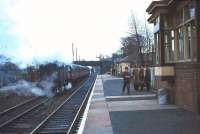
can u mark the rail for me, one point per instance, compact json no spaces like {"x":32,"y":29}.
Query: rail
{"x":62,"y":120}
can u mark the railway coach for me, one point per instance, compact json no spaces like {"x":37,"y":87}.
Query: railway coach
{"x":77,"y":73}
{"x":62,"y":74}
{"x":65,"y":74}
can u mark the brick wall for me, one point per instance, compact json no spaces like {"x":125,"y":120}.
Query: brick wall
{"x":187,"y":86}
{"x":167,"y":83}
{"x":184,"y":87}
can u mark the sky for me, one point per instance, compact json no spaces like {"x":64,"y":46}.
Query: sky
{"x":39,"y":30}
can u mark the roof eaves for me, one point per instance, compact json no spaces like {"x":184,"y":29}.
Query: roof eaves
{"x":155,"y":4}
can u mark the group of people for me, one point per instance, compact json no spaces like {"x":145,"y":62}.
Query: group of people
{"x":138,"y":78}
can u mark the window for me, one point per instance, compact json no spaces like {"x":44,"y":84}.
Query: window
{"x":169,"y":46}
{"x":157,"y":47}
{"x":157,"y":24}
{"x":157,"y":20}
{"x":180,"y":39}
{"x":192,"y":11}
{"x":193,"y":42}
{"x":186,"y":42}
{"x":189,"y":11}
{"x":190,"y":41}
{"x":180,"y":43}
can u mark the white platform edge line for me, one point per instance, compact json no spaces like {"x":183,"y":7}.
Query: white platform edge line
{"x":83,"y":121}
{"x":130,"y":96}
{"x":141,"y":109}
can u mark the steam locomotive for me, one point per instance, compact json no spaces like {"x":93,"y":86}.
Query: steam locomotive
{"x":65,"y":74}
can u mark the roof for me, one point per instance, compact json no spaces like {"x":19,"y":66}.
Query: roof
{"x":156,"y":5}
{"x":132,"y":58}
{"x":135,"y":58}
{"x":125,"y":59}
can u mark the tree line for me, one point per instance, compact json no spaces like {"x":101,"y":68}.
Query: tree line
{"x":138,"y":42}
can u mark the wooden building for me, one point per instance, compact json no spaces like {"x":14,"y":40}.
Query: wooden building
{"x":177,"y":47}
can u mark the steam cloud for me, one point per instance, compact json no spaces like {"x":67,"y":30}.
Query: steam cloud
{"x":47,"y":84}
{"x":25,"y":88}
{"x":69,"y":86}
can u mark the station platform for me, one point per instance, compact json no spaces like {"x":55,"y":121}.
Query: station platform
{"x":110,"y":112}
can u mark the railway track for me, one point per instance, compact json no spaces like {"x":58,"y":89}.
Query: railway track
{"x":17,"y":123}
{"x":14,"y":112}
{"x":16,"y":106}
{"x":25,"y":117}
{"x":65,"y":118}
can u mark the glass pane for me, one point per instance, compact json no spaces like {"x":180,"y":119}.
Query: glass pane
{"x":191,"y":9}
{"x":189,"y":40}
{"x":157,"y":47}
{"x":181,"y":43}
{"x":193,"y":41}
{"x":169,"y":46}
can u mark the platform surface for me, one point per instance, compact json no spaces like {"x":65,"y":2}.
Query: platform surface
{"x":110,"y":112}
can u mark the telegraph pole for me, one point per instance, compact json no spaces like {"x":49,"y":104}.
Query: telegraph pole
{"x":76,"y":55}
{"x":73,"y":51}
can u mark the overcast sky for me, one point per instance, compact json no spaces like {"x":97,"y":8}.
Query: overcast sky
{"x":45,"y":29}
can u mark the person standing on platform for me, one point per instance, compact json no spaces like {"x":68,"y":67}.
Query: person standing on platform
{"x":136,"y":78}
{"x":113,"y":71}
{"x":147,"y":78}
{"x":126,"y":84}
{"x":132,"y":77}
{"x":141,"y":78}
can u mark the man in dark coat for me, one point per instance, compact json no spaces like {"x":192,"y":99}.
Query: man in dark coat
{"x":141,"y":78}
{"x":148,"y":78}
{"x":127,"y":77}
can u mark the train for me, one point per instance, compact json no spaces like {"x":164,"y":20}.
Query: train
{"x":65,"y":74}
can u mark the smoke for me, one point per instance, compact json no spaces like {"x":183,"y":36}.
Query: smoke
{"x":25,"y":88}
{"x":69,"y":86}
{"x":44,"y":87}
{"x":47,"y":84}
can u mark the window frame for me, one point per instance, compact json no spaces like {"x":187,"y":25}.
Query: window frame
{"x":157,"y":48}
{"x":169,"y":46}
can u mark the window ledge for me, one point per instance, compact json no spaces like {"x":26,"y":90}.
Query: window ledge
{"x":188,"y":60}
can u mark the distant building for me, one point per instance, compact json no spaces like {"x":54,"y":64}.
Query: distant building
{"x":177,"y":43}
{"x":132,"y":60}
{"x":101,"y":67}
{"x":120,"y":66}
